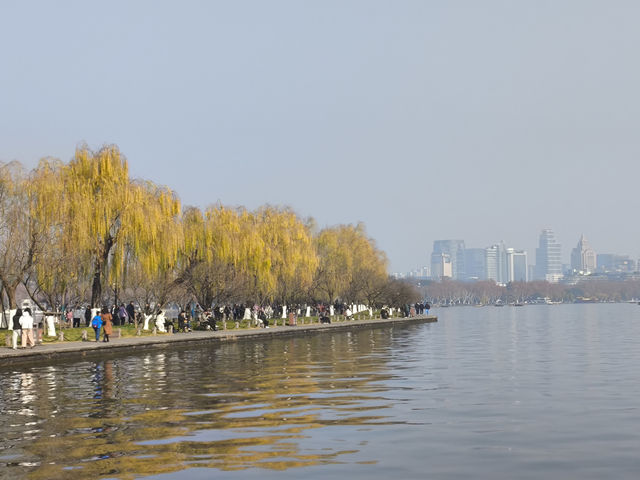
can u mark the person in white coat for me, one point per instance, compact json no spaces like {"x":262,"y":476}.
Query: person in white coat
{"x":26,"y":322}
{"x":160,"y":318}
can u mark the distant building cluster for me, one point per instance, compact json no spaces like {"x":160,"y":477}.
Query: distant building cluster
{"x":502,"y":264}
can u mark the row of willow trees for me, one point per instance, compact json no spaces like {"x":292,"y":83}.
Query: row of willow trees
{"x":85,"y":231}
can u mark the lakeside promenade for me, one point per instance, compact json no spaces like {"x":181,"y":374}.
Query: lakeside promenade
{"x":45,"y":353}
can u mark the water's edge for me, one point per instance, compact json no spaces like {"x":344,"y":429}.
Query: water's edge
{"x":45,"y":354}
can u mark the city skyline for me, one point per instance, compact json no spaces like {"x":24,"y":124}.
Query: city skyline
{"x":499,"y":262}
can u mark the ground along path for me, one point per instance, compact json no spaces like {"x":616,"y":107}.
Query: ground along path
{"x":47,"y":352}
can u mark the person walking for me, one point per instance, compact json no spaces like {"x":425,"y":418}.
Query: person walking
{"x":122,"y":314}
{"x":77,"y":315}
{"x":87,"y":316}
{"x":17,"y":328}
{"x":96,"y":323}
{"x":107,"y":324}
{"x":26,"y":322}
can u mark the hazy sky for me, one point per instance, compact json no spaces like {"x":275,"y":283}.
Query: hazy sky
{"x":480,"y":120}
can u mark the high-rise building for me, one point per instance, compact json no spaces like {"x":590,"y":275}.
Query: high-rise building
{"x":610,"y":263}
{"x":496,"y":263}
{"x":531,"y":272}
{"x":548,"y":258}
{"x":583,"y":257}
{"x":441,"y":266}
{"x":516,"y":265}
{"x":491,"y":262}
{"x":455,"y":250}
{"x":475,"y":264}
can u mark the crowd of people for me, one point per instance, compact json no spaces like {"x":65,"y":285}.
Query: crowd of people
{"x":103,"y":320}
{"x":120,"y":315}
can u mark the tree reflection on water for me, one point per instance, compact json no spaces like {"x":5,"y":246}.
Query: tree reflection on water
{"x":275,"y":405}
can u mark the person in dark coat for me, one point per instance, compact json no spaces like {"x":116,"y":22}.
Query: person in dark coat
{"x":131,"y":312}
{"x":17,"y":328}
{"x":182,"y":321}
{"x":87,"y":316}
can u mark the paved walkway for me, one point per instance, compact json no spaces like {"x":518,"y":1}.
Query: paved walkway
{"x":49,"y":351}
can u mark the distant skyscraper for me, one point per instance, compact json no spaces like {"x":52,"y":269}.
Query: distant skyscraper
{"x":441,"y":266}
{"x":583,"y":257}
{"x":610,"y":262}
{"x":455,"y":250}
{"x":531,"y":272}
{"x":516,"y":265}
{"x":491,"y":262}
{"x":548,"y":258}
{"x":496,"y":263}
{"x":475,"y":264}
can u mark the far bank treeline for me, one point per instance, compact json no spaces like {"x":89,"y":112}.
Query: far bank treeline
{"x":487,"y":292}
{"x":84,"y":231}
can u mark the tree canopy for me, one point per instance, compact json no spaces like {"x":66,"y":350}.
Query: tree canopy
{"x":85,"y":230}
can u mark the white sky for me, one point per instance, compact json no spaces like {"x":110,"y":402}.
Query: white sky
{"x":426,"y":120}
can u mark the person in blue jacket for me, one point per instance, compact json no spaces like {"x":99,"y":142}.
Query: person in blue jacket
{"x":96,"y":323}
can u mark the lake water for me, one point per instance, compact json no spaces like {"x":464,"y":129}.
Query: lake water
{"x":548,"y":391}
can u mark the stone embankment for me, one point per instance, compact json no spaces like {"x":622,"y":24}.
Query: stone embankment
{"x":47,"y":352}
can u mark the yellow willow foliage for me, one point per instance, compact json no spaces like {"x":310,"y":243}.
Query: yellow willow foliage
{"x":270,"y":246}
{"x":336,"y":263}
{"x":369,"y":271}
{"x":228,"y":237}
{"x":232,"y":238}
{"x":347,"y":257}
{"x":56,"y":267}
{"x":106,"y":215}
{"x":155,"y":235}
{"x":289,"y":258}
{"x":194,"y":234}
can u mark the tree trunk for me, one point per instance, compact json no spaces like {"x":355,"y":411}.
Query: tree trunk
{"x":101,"y":264}
{"x":10,"y":290}
{"x":96,"y":289}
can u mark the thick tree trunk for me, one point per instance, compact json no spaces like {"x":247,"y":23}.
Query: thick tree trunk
{"x":10,"y":290}
{"x":96,"y":288}
{"x":101,"y":264}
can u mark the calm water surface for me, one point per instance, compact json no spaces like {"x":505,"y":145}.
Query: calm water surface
{"x":500,"y":393}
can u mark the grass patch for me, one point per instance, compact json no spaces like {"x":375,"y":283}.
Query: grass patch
{"x":75,"y":334}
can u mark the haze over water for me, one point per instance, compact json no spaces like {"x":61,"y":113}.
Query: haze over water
{"x":533,"y":392}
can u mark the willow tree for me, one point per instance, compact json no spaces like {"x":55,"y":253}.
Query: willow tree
{"x":369,"y":275}
{"x":398,"y":293}
{"x":351,"y":266}
{"x":59,"y":273}
{"x":152,"y":276}
{"x":232,"y":254}
{"x":221,"y":255}
{"x":194,"y":263}
{"x":19,"y":236}
{"x":334,"y":270}
{"x":288,"y":260}
{"x":107,"y":217}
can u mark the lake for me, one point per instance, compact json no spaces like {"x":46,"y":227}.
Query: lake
{"x":541,"y":391}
